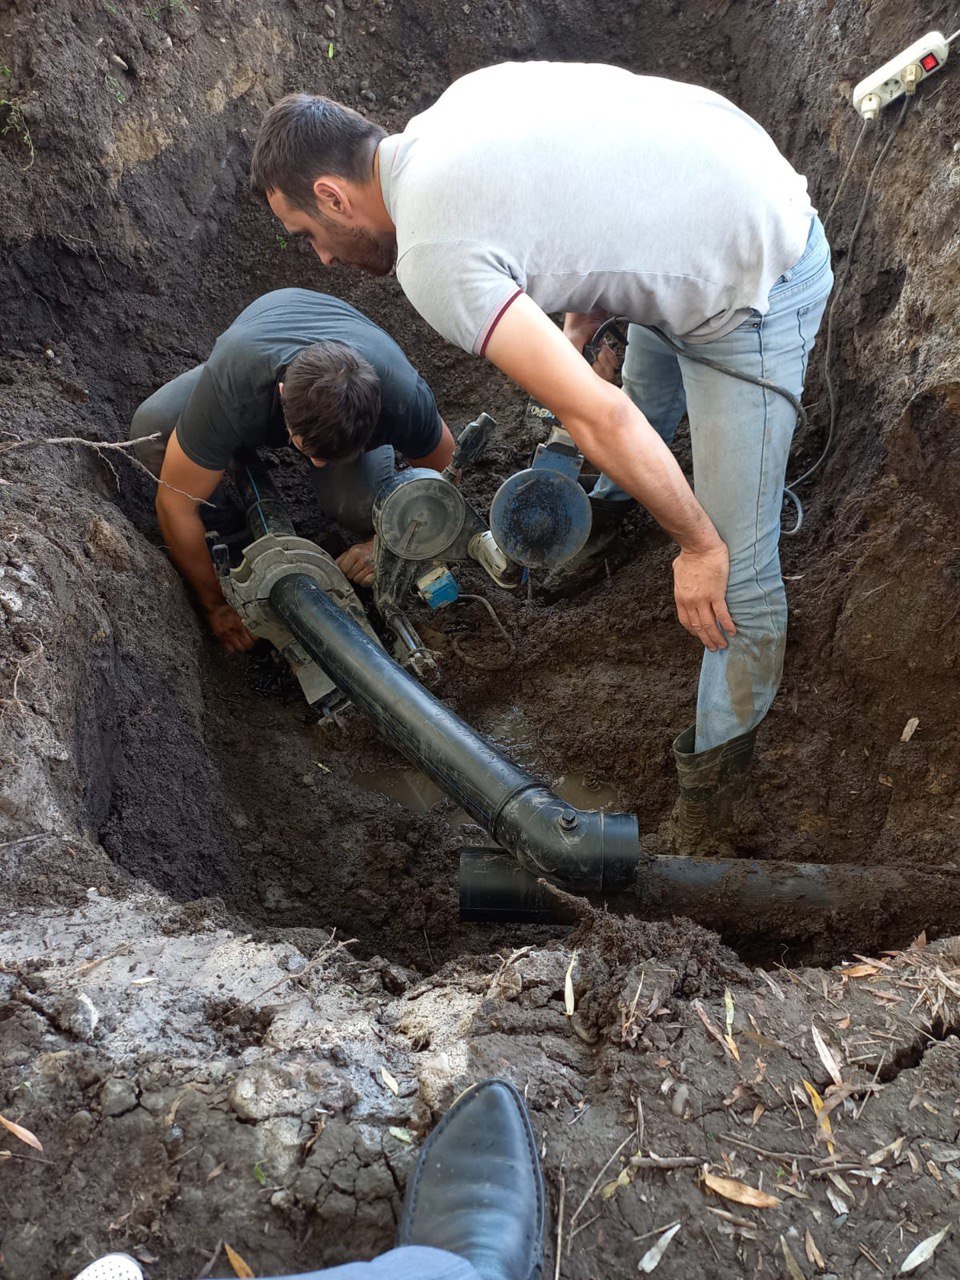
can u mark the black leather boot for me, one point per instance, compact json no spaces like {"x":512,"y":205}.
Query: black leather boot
{"x":587,"y":565}
{"x":477,"y":1190}
{"x":711,"y":782}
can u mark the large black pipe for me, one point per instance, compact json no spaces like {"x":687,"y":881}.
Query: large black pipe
{"x":584,"y":849}
{"x":746,"y":900}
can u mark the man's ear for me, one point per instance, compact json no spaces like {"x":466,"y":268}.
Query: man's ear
{"x":333,"y":198}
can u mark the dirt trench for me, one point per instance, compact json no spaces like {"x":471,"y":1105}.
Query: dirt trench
{"x":183,"y":857}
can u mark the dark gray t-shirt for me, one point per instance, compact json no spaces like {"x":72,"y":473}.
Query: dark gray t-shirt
{"x":235,"y":404}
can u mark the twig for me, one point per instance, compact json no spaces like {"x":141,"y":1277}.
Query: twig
{"x":322,"y":954}
{"x":667,"y":1162}
{"x":41,"y":835}
{"x":775,"y":1155}
{"x":596,"y":1181}
{"x":212,"y":1263}
{"x":102,"y":446}
{"x":582,"y":1227}
{"x":860,"y":1110}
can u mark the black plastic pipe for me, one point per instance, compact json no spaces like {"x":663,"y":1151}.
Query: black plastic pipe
{"x":583,"y":849}
{"x":743,"y":899}
{"x":262,"y":505}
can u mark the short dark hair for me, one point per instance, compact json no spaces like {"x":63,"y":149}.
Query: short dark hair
{"x":304,"y":136}
{"x":331,"y":400}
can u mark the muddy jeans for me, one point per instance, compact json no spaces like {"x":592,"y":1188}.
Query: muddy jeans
{"x":345,"y":490}
{"x":410,"y":1263}
{"x":740,"y":435}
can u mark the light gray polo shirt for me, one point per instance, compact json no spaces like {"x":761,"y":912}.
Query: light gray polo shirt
{"x":589,"y":187}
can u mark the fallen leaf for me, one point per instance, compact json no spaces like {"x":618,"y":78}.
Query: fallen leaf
{"x":240,"y":1268}
{"x":885,"y":780}
{"x":793,"y":1266}
{"x":714,"y":1030}
{"x":891,"y":1149}
{"x":142,"y":982}
{"x":215,"y":1173}
{"x":840,"y":1207}
{"x":653,"y":1255}
{"x":826,"y":1057}
{"x":934,"y":1172}
{"x":569,"y":1000}
{"x":860,"y":971}
{"x":843,"y":1024}
{"x":947,"y":982}
{"x":823,"y":1120}
{"x":389,"y":1081}
{"x":924,"y":1250}
{"x":910,"y":728}
{"x":813,"y":1253}
{"x":24,"y":1135}
{"x":403,"y":1135}
{"x":732,"y":1189}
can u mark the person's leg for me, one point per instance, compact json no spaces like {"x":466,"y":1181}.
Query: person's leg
{"x":159,"y":413}
{"x":651,"y":378}
{"x":741,"y":436}
{"x":346,"y":490}
{"x":410,"y":1262}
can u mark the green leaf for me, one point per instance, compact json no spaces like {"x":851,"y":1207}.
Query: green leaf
{"x":258,"y":1173}
{"x":330,"y":51}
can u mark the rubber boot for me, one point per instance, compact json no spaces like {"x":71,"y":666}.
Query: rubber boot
{"x":477,"y":1189}
{"x":587,"y":565}
{"x":711,"y":783}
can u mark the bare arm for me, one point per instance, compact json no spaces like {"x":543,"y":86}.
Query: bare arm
{"x":441,"y":455}
{"x":183,"y":533}
{"x":612,"y":432}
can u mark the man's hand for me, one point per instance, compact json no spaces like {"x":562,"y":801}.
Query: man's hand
{"x":229,"y":628}
{"x":357,"y":563}
{"x":699,"y":588}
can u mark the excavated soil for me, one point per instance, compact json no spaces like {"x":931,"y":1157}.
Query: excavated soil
{"x":214,"y":938}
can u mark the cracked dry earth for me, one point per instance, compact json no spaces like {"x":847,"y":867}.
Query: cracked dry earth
{"x":283,"y":1112}
{"x":234,"y":992}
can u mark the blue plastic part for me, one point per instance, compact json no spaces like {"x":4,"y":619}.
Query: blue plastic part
{"x":439,"y":587}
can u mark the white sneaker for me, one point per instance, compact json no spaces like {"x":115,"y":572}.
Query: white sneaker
{"x":114,"y":1266}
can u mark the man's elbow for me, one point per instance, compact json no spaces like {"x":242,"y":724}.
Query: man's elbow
{"x":606,"y":418}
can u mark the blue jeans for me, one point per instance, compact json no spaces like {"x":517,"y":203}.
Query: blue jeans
{"x":413,"y":1262}
{"x":741,"y":435}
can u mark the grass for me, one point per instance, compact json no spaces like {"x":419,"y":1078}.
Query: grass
{"x":12,"y":119}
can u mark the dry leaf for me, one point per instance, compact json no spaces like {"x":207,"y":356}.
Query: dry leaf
{"x":813,"y":1253}
{"x":240,"y":1268}
{"x":860,"y":971}
{"x":840,"y":1206}
{"x":732,"y":1189}
{"x":569,"y":1001}
{"x":389,"y":1081}
{"x":891,"y":1149}
{"x":714,"y":1030}
{"x":24,"y":1135}
{"x":793,"y":1266}
{"x":215,"y":1173}
{"x":924,"y":1250}
{"x":826,"y":1057}
{"x":823,"y":1118}
{"x":653,"y":1255}
{"x":843,"y":1024}
{"x":885,"y":780}
{"x":402,"y":1135}
{"x":910,"y":728}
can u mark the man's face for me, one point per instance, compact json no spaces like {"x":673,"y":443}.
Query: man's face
{"x":335,"y":243}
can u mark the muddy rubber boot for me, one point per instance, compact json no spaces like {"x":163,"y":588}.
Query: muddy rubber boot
{"x":477,"y":1189}
{"x":587,"y":565}
{"x":711,"y":782}
{"x":115,"y":1266}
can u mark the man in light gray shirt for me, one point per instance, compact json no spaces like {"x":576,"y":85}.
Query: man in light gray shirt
{"x":501,"y":204}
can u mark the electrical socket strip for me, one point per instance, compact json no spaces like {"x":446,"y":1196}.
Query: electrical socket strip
{"x":901,"y":74}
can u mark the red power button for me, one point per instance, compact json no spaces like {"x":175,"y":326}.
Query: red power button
{"x":929,"y":61}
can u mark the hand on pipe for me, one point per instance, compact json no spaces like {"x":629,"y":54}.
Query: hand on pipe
{"x":357,"y":563}
{"x":230,"y":629}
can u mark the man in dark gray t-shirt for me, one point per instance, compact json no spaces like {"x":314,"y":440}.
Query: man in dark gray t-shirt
{"x":295,"y":368}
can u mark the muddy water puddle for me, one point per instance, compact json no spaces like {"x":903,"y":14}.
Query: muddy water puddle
{"x":507,"y":729}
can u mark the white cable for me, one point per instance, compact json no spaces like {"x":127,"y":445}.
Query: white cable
{"x":950,"y":39}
